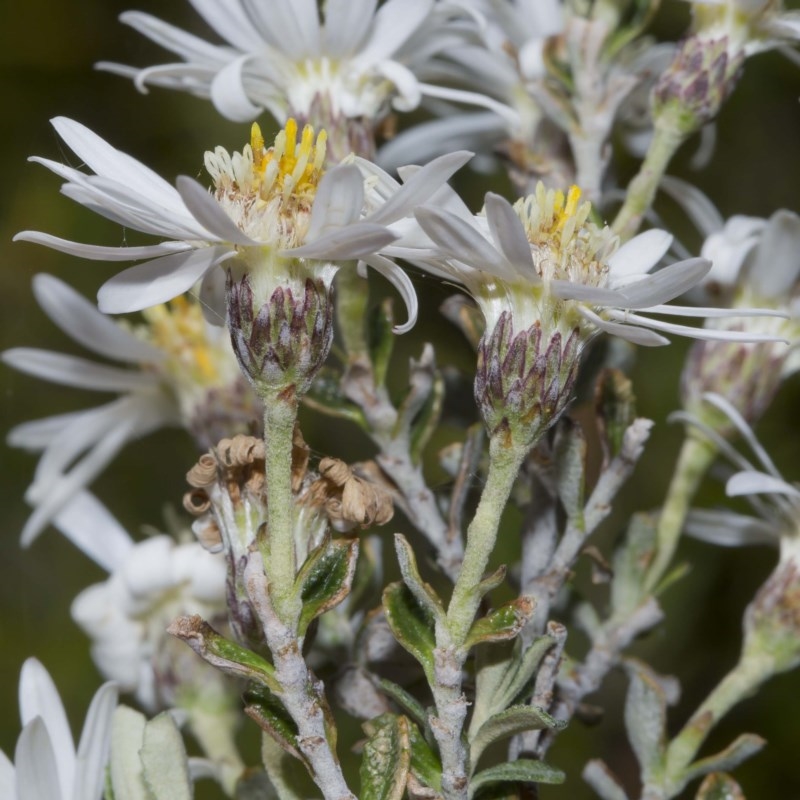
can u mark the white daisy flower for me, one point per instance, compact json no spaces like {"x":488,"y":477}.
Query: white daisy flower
{"x":346,"y":66}
{"x":46,"y":765}
{"x":755,"y":262}
{"x":176,"y":370}
{"x":547,"y":280}
{"x":496,"y":70}
{"x":775,"y":501}
{"x":274,"y":213}
{"x":546,"y":263}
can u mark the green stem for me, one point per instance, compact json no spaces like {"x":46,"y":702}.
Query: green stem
{"x":739,"y":683}
{"x":278,"y":549}
{"x":695,"y":458}
{"x":505,"y":459}
{"x":352,"y":298}
{"x":667,"y":138}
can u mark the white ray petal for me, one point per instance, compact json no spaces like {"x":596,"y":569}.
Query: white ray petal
{"x":8,"y":781}
{"x":83,"y":323}
{"x":107,"y":161}
{"x":419,"y":186}
{"x":665,"y":284}
{"x":95,"y":252}
{"x":80,"y":476}
{"x":157,"y":281}
{"x":728,"y":529}
{"x":509,"y":235}
{"x":640,"y":254}
{"x":460,"y":240}
{"x":394,"y":22}
{"x":229,"y":95}
{"x":713,"y":312}
{"x":338,"y":202}
{"x":89,"y":525}
{"x":745,"y":431}
{"x":37,"y":774}
{"x":36,"y":435}
{"x":346,"y":25}
{"x":209,"y":213}
{"x":93,"y":749}
{"x":776,"y":265}
{"x":706,"y":334}
{"x":356,"y":241}
{"x":229,"y":20}
{"x":630,"y":333}
{"x":74,"y":371}
{"x":759,"y":483}
{"x":400,"y":280}
{"x":700,"y":210}
{"x":187,"y":46}
{"x":38,"y":697}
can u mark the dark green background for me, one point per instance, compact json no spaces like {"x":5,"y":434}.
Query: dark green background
{"x":46,"y":55}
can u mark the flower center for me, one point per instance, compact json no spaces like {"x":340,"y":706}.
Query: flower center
{"x":566,"y":245}
{"x":268,"y":192}
{"x":179,"y":330}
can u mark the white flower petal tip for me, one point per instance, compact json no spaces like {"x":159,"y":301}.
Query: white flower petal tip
{"x":640,"y":254}
{"x":750,"y":482}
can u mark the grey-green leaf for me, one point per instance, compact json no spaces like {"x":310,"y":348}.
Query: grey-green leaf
{"x":570,"y":458}
{"x":326,"y":396}
{"x":630,"y":563}
{"x":516,"y":719}
{"x":386,"y":758}
{"x":744,"y":746}
{"x":268,"y":712}
{"x":164,"y":762}
{"x":645,"y":720}
{"x":125,"y":769}
{"x":523,"y":770}
{"x":381,"y":339}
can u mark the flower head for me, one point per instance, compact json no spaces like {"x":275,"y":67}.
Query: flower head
{"x":542,"y":270}
{"x":177,"y":370}
{"x":344,"y":71}
{"x":755,"y":262}
{"x":46,"y":764}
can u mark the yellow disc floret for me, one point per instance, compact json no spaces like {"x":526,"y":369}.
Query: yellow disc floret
{"x":180,"y":332}
{"x":566,"y":244}
{"x":268,"y":191}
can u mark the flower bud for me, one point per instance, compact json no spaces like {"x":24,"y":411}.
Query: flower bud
{"x":282,"y":343}
{"x":692,"y":90}
{"x":524,"y":380}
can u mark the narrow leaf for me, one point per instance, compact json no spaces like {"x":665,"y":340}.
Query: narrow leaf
{"x":326,"y":397}
{"x":325,"y":579}
{"x":270,"y":715}
{"x":428,"y":418}
{"x":516,"y":719}
{"x":425,"y":764}
{"x":630,"y":563}
{"x":411,"y":624}
{"x":570,"y":459}
{"x":744,"y":746}
{"x":503,"y":624}
{"x":381,"y":339}
{"x":407,"y":701}
{"x":523,"y":770}
{"x":386,"y":758}
{"x":645,"y":720}
{"x":422,"y":591}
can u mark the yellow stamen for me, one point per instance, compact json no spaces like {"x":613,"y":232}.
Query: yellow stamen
{"x":178,"y":330}
{"x":566,"y":210}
